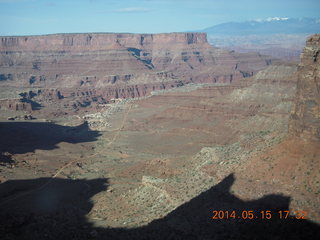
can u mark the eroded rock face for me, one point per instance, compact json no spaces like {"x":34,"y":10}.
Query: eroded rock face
{"x":305,"y":117}
{"x":69,"y":72}
{"x":97,"y":41}
{"x":100,"y":60}
{"x":15,"y":104}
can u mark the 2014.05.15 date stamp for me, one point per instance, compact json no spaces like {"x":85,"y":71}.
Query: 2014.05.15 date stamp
{"x":261,"y":215}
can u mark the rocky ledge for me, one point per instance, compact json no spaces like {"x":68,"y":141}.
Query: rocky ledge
{"x":305,"y":117}
{"x":103,"y":59}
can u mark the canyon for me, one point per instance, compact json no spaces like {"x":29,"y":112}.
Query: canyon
{"x":97,"y":60}
{"x":141,"y":136}
{"x":95,"y":68}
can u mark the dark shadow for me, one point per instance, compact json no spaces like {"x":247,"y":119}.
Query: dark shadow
{"x":135,"y":51}
{"x":47,"y":208}
{"x":5,"y":159}
{"x":27,"y":98}
{"x":137,"y":54}
{"x":58,"y":210}
{"x":23,"y":137}
{"x":194,"y":219}
{"x":34,"y":105}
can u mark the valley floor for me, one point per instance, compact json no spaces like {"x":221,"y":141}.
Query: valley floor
{"x":145,"y":166}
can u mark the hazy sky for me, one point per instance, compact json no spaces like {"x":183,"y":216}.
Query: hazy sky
{"x":24,"y":17}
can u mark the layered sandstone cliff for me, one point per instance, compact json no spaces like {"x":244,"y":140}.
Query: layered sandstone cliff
{"x":98,"y":41}
{"x":305,"y":117}
{"x":100,"y":60}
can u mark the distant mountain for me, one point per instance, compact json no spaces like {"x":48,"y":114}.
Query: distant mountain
{"x":274,"y":25}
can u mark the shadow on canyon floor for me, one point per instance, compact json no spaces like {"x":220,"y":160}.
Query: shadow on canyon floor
{"x":34,"y":105}
{"x":5,"y":159}
{"x":57,"y":210}
{"x":24,"y":137}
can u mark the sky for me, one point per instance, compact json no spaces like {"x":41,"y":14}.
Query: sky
{"x":35,"y":17}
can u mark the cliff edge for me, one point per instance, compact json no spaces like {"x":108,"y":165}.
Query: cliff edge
{"x":98,"y":41}
{"x":305,"y":116}
{"x":99,"y":60}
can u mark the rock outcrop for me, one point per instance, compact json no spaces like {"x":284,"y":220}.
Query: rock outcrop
{"x":305,"y":117}
{"x":100,"y":60}
{"x":15,"y":105}
{"x":69,"y":72}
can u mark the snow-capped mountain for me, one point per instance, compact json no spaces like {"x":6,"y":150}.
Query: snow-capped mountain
{"x":272,"y":25}
{"x":270,"y":19}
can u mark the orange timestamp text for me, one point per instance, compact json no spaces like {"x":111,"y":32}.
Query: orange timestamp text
{"x":264,"y":214}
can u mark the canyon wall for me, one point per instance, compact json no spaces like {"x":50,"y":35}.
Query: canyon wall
{"x":99,"y":60}
{"x":305,"y":117}
{"x":97,"y":41}
{"x":79,"y":70}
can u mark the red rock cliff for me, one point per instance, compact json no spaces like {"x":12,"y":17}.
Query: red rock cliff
{"x":98,"y":41}
{"x":100,"y":60}
{"x":305,"y":117}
